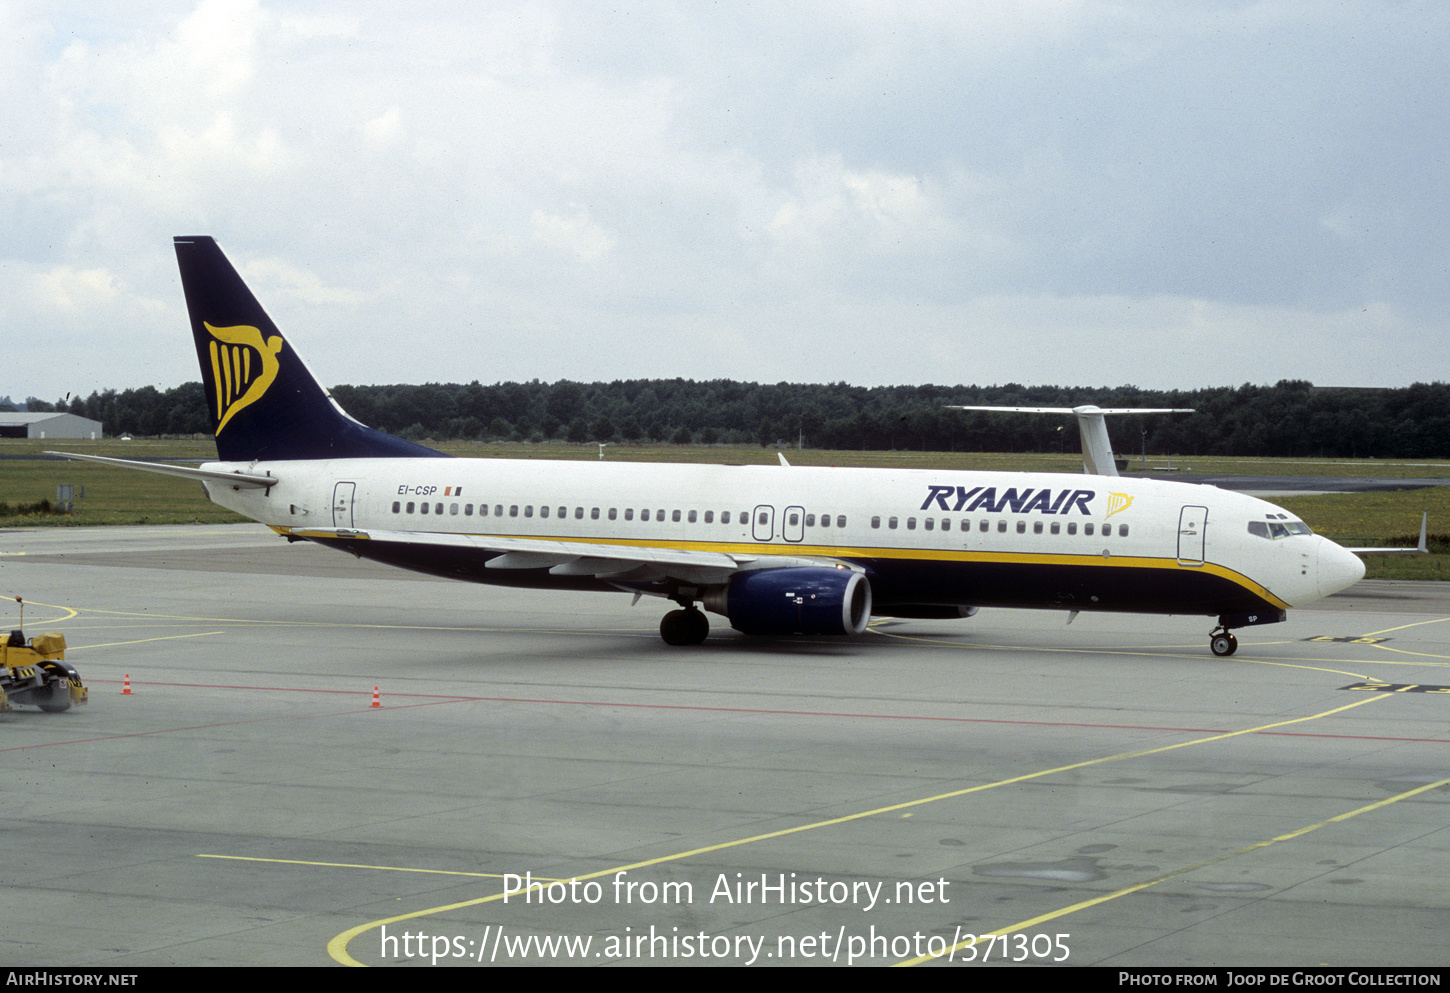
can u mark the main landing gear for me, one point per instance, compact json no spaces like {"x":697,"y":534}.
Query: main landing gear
{"x":684,"y":627}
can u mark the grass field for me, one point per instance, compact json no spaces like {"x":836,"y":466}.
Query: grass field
{"x":118,"y":496}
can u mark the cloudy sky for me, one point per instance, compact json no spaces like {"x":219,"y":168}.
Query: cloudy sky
{"x":1169,"y":194}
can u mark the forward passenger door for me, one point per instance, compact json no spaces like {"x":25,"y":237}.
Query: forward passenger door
{"x":762,"y":523}
{"x":1192,"y":529}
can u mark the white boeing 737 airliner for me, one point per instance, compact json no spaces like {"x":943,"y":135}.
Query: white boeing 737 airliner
{"x":776,"y":550}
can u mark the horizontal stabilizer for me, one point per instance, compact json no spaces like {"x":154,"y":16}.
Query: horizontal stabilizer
{"x":244,"y":480}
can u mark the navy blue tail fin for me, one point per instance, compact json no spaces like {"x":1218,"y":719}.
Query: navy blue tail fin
{"x":264,"y":403}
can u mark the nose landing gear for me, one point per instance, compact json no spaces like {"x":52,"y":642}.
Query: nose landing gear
{"x":1222,"y":643}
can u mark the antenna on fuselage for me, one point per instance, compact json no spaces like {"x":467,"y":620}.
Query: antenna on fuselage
{"x":1097,"y":450}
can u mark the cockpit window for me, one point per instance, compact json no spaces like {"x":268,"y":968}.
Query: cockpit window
{"x":1278,"y":529}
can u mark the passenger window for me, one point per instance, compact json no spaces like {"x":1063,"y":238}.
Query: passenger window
{"x":840,"y":520}
{"x":1001,"y":527}
{"x":1122,"y":530}
{"x":543,"y":512}
{"x":811,"y":520}
{"x":468,"y":510}
{"x":1036,"y":527}
{"x":628,"y":514}
{"x":891,"y":523}
{"x":453,"y":509}
{"x":529,"y":511}
{"x":764,"y":518}
{"x":929,"y":524}
{"x":1072,"y":527}
{"x":1087,"y":529}
{"x":674,"y":516}
{"x":725,"y":517}
{"x":1056,"y":527}
{"x":483,"y":510}
{"x":613,"y":513}
{"x":498,"y":510}
{"x":946,"y":523}
{"x":876,"y":522}
{"x":423,"y":508}
{"x":983,"y":526}
{"x":1021,"y":527}
{"x":579,"y":513}
{"x":410,"y":508}
{"x":397,"y":506}
{"x":911,"y":524}
{"x":438,"y":508}
{"x":709,"y":517}
{"x":692,"y":517}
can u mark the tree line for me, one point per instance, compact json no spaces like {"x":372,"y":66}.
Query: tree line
{"x":1290,"y":418}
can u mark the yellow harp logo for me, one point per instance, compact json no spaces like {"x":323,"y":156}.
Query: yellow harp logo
{"x":242,"y":367}
{"x":1118,"y":502}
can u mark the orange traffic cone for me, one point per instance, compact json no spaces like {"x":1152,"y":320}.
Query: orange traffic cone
{"x":126,"y":688}
{"x":376,"y":701}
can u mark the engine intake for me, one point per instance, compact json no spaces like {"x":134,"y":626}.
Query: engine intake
{"x":801,"y":600}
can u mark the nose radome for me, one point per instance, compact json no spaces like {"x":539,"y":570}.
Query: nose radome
{"x":1338,"y":568}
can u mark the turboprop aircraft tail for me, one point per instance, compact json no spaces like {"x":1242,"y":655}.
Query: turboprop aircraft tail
{"x":1097,"y":450}
{"x":265,"y":404}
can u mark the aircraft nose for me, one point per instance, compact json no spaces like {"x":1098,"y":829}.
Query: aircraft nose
{"x":1338,"y":568}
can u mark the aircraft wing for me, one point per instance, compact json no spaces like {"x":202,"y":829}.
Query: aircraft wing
{"x":609,"y":562}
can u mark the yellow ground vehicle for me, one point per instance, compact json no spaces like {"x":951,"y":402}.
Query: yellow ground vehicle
{"x":35,"y":673}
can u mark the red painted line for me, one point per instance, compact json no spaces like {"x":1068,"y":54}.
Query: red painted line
{"x":202,"y":727}
{"x":436,"y":698}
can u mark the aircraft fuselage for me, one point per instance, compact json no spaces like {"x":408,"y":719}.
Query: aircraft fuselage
{"x":922,"y":537}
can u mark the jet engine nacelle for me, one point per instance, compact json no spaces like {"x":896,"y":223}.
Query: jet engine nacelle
{"x":801,"y":600}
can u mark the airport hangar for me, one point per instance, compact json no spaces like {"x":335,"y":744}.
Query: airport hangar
{"x":47,"y":424}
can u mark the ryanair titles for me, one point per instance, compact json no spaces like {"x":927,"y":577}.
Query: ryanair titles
{"x":1011,"y":500}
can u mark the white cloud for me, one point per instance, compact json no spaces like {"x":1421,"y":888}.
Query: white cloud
{"x":382,"y":131}
{"x":73,"y":290}
{"x":276,"y":276}
{"x":874,"y":209}
{"x":574,"y":233}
